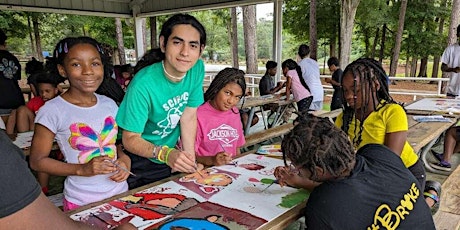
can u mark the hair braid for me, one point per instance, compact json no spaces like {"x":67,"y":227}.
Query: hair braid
{"x":316,"y":142}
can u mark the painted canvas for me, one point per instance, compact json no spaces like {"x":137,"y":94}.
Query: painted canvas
{"x":207,"y":182}
{"x":241,"y":195}
{"x":436,"y":104}
{"x":211,"y":216}
{"x":156,"y":203}
{"x":104,"y":216}
{"x":253,"y":164}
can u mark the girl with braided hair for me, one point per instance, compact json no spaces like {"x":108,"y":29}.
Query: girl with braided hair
{"x":355,"y":190}
{"x":219,"y":130}
{"x":372,"y":116}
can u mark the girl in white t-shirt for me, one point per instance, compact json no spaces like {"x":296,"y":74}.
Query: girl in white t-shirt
{"x":83,"y":124}
{"x":219,"y":129}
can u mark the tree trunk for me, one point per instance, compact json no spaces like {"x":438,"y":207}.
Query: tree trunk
{"x":153,"y":32}
{"x":332,"y":47}
{"x":234,"y":37}
{"x":313,"y":38}
{"x":376,"y":41}
{"x":407,"y":68}
{"x":423,"y":67}
{"x":249,"y":28}
{"x":38,"y":42}
{"x":144,"y":29}
{"x":120,"y":43}
{"x":413,"y":67}
{"x":31,"y":37}
{"x":454,"y":16}
{"x":347,"y":20}
{"x":437,"y":58}
{"x":367,"y":41}
{"x":382,"y":43}
{"x":397,"y":48}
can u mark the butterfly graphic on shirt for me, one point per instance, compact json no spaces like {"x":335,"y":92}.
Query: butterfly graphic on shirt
{"x":92,"y":144}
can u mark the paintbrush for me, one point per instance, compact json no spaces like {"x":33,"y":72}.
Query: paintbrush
{"x":273,"y":182}
{"x":221,"y":146}
{"x":121,"y":167}
{"x":196,"y":165}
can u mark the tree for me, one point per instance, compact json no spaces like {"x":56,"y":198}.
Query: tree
{"x":398,"y":39}
{"x":296,"y":18}
{"x":233,"y":33}
{"x":38,"y":41}
{"x":153,"y":32}
{"x":441,"y":18}
{"x":120,"y":45}
{"x":250,"y":44}
{"x":31,"y":36}
{"x":313,"y":37}
{"x":454,"y":16}
{"x":347,"y":17}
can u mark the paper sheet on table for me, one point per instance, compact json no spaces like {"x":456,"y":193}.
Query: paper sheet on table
{"x":432,"y":118}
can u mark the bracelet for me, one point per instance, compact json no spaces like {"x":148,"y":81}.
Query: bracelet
{"x":154,"y":153}
{"x":167,"y":154}
{"x":159,"y":153}
{"x":432,"y":196}
{"x":164,"y":150}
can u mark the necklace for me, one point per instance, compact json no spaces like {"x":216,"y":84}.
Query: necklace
{"x":170,"y":75}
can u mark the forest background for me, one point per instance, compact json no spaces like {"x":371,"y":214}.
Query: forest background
{"x":238,"y":32}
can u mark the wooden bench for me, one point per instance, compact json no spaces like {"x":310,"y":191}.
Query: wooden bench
{"x":267,"y":134}
{"x":448,"y":215}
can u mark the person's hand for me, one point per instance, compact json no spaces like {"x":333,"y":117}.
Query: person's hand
{"x":328,"y":80}
{"x":456,"y":69}
{"x":120,"y":175}
{"x":286,"y":176}
{"x":222,"y":158}
{"x":182,"y":161}
{"x":96,"y":166}
{"x":279,"y":84}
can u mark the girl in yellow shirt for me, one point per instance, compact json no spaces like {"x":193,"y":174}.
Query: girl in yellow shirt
{"x":372,"y":116}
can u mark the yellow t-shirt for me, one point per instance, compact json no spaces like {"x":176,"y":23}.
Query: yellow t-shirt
{"x":389,"y":119}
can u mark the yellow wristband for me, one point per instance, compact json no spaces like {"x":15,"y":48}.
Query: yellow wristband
{"x":159,"y":153}
{"x":167,"y":155}
{"x":164,"y":150}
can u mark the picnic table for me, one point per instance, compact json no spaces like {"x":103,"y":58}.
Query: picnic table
{"x":253,"y":103}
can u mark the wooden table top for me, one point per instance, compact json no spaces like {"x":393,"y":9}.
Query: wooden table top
{"x":421,"y":133}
